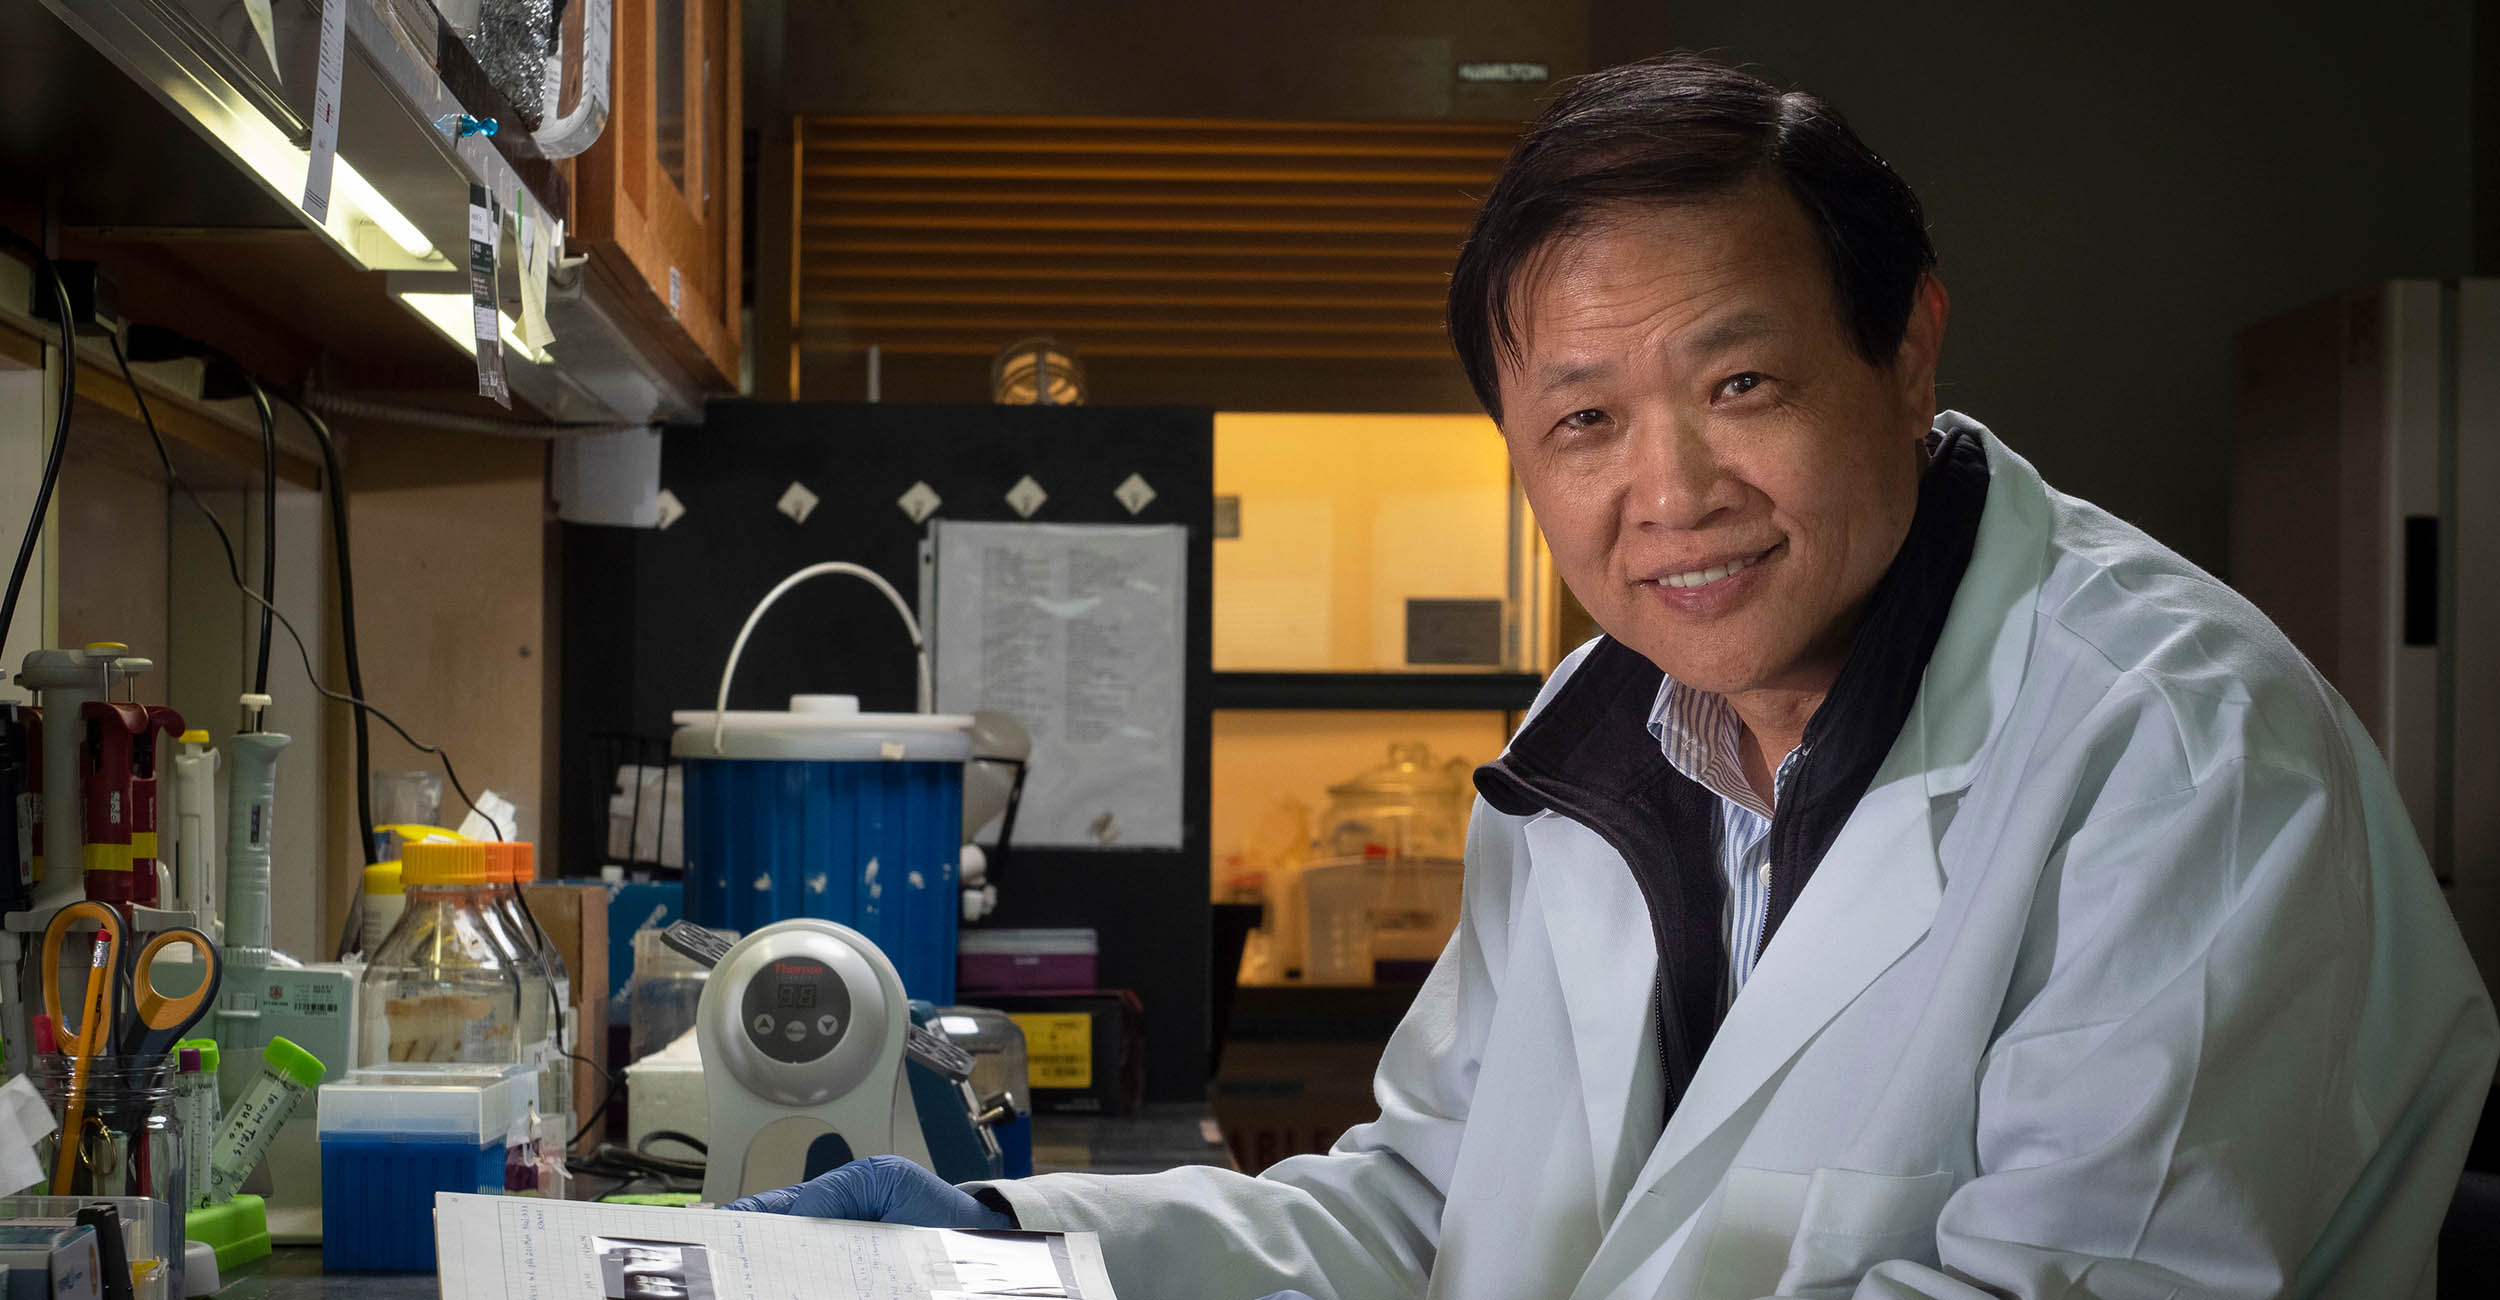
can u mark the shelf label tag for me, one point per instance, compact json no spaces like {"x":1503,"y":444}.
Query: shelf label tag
{"x":535,"y":236}
{"x":482,"y":232}
{"x":325,"y":115}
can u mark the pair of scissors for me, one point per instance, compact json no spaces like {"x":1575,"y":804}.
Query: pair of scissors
{"x":126,"y":1015}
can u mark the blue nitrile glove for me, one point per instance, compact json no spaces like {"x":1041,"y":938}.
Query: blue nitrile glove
{"x":879,"y":1189}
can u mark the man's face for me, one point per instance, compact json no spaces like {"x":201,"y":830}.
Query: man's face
{"x":1721,"y":477}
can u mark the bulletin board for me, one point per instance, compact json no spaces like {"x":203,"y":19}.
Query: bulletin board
{"x":760,"y":489}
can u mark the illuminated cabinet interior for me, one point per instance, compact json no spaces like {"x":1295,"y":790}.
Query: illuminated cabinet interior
{"x":1378,"y":584}
{"x":1328,"y":526}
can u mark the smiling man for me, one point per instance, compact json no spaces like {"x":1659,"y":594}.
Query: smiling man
{"x":1927,"y":886}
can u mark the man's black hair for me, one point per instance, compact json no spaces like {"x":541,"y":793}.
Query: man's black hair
{"x":1681,"y":129}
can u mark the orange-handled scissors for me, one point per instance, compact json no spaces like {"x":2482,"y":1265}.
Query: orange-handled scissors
{"x":152,"y":1022}
{"x":132,"y":1018}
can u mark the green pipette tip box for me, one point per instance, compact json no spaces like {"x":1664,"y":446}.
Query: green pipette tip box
{"x":237,"y":1230}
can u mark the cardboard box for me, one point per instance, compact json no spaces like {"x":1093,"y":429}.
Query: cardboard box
{"x":575,"y":917}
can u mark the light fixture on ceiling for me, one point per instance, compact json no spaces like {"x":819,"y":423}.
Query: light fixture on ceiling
{"x":1036,"y":372}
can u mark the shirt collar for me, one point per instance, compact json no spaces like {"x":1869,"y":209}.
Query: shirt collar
{"x":1698,"y":731}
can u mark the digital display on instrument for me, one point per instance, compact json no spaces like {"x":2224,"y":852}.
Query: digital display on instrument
{"x":795,"y":1009}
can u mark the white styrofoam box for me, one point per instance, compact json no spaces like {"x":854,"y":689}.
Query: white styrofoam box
{"x":667,"y":1093}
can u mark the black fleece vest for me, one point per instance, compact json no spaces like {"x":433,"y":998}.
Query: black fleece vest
{"x":1588,"y":755}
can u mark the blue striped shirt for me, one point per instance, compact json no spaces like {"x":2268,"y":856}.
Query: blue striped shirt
{"x":1699,"y":732}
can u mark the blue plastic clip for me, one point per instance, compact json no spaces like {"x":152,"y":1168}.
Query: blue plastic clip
{"x":460,"y":126}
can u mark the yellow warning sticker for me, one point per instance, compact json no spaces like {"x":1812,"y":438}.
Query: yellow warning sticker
{"x":1058,"y":1048}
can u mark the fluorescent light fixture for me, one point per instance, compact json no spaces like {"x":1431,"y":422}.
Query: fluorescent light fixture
{"x":348,"y":183}
{"x":449,"y":314}
{"x":353,"y":199}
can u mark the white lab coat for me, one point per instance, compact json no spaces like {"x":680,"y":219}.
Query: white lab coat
{"x":2126,"y":978}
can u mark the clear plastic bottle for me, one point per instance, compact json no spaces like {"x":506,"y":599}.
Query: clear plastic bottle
{"x":546,"y":1026}
{"x":446,"y":985}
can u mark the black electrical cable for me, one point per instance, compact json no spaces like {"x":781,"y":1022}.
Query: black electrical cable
{"x":615,"y":1080}
{"x":335,"y":481}
{"x":548,"y":946}
{"x":234,"y":570}
{"x":347,"y":621}
{"x":60,"y":429}
{"x":686,"y":1140}
{"x":268,"y":527}
{"x":630,"y":1167}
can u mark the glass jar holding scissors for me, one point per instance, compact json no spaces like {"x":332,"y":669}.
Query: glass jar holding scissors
{"x":110,"y":1080}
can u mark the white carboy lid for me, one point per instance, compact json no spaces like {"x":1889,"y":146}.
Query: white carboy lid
{"x":824,"y":728}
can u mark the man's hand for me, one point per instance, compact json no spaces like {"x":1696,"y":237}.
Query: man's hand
{"x":879,"y":1189}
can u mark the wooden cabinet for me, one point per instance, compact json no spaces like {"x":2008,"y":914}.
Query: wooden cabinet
{"x":657,"y":201}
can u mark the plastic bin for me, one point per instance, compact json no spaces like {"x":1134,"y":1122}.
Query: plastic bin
{"x":391,"y":1139}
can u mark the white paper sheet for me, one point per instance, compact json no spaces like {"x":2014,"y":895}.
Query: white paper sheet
{"x":263,"y":28}
{"x":330,"y":67}
{"x":505,"y":1248}
{"x":25,"y":1119}
{"x":1078,"y":631}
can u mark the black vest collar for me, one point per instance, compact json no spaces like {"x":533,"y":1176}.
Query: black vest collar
{"x":1588,"y":755}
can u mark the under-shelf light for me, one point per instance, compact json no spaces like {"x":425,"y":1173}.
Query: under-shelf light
{"x":449,"y":313}
{"x":350,"y":184}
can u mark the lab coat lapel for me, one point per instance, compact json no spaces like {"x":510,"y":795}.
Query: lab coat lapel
{"x":1873,"y":896}
{"x":1605,"y":963}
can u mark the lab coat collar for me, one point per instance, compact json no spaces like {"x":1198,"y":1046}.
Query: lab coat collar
{"x":1589,"y":757}
{"x":1969,"y":685}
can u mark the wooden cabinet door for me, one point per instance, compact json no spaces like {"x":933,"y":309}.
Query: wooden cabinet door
{"x":657,"y":200}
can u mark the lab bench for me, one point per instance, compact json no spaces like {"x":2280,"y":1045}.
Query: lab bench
{"x":1156,"y":1138}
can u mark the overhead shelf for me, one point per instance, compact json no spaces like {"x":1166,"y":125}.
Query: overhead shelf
{"x":401,"y":185}
{"x":1510,"y":692}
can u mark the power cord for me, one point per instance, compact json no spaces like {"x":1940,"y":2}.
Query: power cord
{"x":60,"y":429}
{"x":639,"y":1164}
{"x":234,"y":570}
{"x":350,"y":929}
{"x":268,"y":524}
{"x":347,"y":617}
{"x":686,"y":1140}
{"x":615,"y":1080}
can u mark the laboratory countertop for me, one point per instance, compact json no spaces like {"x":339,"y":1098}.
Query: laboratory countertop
{"x":1157,"y":1138}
